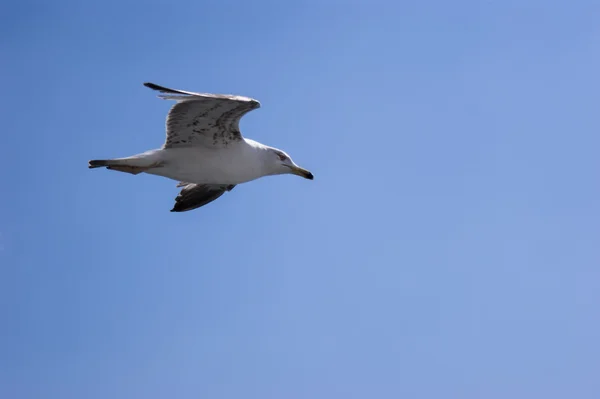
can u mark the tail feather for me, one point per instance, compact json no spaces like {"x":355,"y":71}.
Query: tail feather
{"x":98,"y":163}
{"x":133,"y":165}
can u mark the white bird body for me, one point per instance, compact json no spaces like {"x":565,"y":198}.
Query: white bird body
{"x":241,"y":162}
{"x":204,"y":149}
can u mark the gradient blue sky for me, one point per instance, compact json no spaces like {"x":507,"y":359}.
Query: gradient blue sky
{"x":447,"y":248}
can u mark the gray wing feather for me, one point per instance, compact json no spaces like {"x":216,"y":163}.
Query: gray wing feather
{"x":205,"y":119}
{"x":194,"y":196}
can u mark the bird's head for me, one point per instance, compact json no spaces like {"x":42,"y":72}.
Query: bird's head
{"x":281,"y":163}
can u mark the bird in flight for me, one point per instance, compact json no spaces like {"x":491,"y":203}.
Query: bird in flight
{"x":204,"y":150}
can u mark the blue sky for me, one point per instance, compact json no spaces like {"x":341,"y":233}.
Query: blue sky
{"x":448,"y":246}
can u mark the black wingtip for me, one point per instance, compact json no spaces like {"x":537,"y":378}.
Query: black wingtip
{"x":178,"y":208}
{"x":153,"y":86}
{"x":164,"y":89}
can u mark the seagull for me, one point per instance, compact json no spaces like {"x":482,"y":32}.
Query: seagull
{"x":204,"y":149}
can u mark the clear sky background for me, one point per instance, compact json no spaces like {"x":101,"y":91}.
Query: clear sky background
{"x":447,"y":248}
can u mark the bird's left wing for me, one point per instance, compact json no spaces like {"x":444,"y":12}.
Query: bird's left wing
{"x":194,"y":196}
{"x":203,"y":119}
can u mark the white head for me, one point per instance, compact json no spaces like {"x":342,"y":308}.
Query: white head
{"x":278,"y":162}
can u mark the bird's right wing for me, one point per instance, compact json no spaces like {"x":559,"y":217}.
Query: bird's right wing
{"x":203,"y":119}
{"x":194,"y":196}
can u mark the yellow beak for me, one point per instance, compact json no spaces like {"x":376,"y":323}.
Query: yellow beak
{"x":297,"y":170}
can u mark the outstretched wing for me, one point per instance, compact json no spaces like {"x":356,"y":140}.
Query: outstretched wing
{"x":203,"y":119}
{"x":194,"y":196}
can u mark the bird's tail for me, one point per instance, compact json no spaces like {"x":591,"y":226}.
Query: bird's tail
{"x":99,"y":163}
{"x":131,"y":165}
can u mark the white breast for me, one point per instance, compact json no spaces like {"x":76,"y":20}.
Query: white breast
{"x":238,"y":163}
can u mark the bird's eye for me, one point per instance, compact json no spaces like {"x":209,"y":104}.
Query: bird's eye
{"x":281,"y":156}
